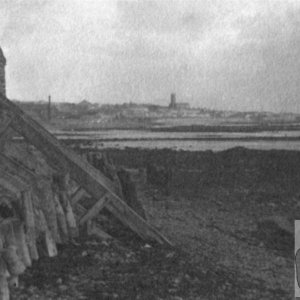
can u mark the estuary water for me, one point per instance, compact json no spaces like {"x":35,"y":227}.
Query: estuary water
{"x":189,"y":141}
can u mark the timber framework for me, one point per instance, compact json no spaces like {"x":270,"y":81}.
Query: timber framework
{"x":35,"y":210}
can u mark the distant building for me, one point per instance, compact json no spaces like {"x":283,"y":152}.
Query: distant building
{"x":183,"y":105}
{"x":180,"y":105}
{"x":85,"y":105}
{"x":2,"y":73}
{"x":136,"y":112}
{"x":172,"y":104}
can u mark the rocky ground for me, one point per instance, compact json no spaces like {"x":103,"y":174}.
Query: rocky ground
{"x":233,"y":240}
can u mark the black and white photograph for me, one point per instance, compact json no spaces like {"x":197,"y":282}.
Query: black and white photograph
{"x":149,"y":149}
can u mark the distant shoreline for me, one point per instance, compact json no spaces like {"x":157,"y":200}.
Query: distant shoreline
{"x":194,"y":128}
{"x":75,"y":139}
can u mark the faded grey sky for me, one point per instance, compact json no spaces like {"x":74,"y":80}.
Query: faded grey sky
{"x":225,"y":54}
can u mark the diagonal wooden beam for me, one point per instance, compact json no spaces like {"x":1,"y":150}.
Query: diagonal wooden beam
{"x":4,"y":127}
{"x":97,"y":231}
{"x":12,"y":183}
{"x":95,"y":209}
{"x":91,"y":179}
{"x":17,"y":168}
{"x":6,"y":133}
{"x":77,"y":196}
{"x":93,"y":228}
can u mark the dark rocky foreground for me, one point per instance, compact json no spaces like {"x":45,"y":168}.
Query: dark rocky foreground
{"x":131,"y":270}
{"x":230,"y":215}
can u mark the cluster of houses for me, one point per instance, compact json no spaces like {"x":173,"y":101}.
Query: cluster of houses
{"x":86,"y":110}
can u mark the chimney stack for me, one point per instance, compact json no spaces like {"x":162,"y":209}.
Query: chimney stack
{"x":49,"y":108}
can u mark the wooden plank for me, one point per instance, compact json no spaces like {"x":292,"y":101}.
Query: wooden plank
{"x":12,"y":183}
{"x":94,"y":210}
{"x":61,"y":220}
{"x":91,"y":179}
{"x":6,"y":133}
{"x":61,"y":187}
{"x":77,"y":196}
{"x":17,"y":168}
{"x":29,"y":219}
{"x":92,"y":227}
{"x":4,"y":127}
{"x":21,"y":243}
{"x":48,"y":240}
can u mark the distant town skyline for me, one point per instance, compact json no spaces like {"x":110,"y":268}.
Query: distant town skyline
{"x":228,"y":55}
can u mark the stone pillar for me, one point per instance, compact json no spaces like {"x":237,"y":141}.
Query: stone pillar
{"x":2,"y":73}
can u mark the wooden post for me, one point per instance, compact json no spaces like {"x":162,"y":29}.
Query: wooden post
{"x":71,"y":220}
{"x":21,"y":243}
{"x":13,"y":281}
{"x":45,"y":193}
{"x":9,"y":236}
{"x":48,"y":240}
{"x":4,"y":290}
{"x":61,"y":181}
{"x":129,"y":192}
{"x":61,"y":220}
{"x":30,"y":224}
{"x":14,"y":263}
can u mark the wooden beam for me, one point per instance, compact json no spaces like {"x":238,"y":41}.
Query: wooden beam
{"x":96,"y":208}
{"x":4,"y":127}
{"x":29,"y":218}
{"x":77,"y":196}
{"x":93,"y":228}
{"x":6,"y":134}
{"x":17,"y":168}
{"x":12,"y":183}
{"x":98,"y":232}
{"x":91,"y":179}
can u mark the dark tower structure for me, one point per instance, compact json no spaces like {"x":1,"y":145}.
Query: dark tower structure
{"x":49,"y":108}
{"x":173,"y":101}
{"x":2,"y":73}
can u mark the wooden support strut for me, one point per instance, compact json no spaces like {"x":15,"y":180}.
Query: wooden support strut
{"x":92,"y":227}
{"x":92,"y":180}
{"x":18,"y":168}
{"x":12,"y":182}
{"x":95,"y":209}
{"x":30,"y":224}
{"x":77,"y":196}
{"x":62,"y":191}
{"x":5,"y":133}
{"x":4,"y":127}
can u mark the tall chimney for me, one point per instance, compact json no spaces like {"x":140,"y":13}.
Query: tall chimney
{"x":49,"y":108}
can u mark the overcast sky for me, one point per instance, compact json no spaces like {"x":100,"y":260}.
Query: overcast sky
{"x":223,"y":54}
